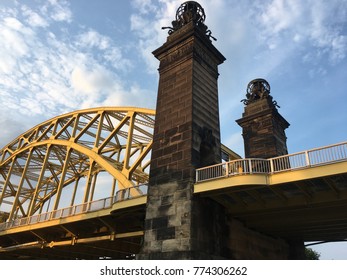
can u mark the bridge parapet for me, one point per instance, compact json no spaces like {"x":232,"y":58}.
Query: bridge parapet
{"x":309,"y":158}
{"x":74,"y":210}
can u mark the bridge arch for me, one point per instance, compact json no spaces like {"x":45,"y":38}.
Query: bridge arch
{"x":79,"y":153}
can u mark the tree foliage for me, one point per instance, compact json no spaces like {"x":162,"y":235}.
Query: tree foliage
{"x":311,"y":254}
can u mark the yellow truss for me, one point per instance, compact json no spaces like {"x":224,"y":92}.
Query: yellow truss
{"x":69,"y":152}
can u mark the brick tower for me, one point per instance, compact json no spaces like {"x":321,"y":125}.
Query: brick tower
{"x":186,"y":136}
{"x":263,"y":128}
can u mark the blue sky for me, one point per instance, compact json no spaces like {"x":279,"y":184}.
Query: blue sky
{"x":61,"y":56}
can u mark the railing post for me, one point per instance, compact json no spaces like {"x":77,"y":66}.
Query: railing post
{"x":250,"y":166}
{"x":226,"y":169}
{"x":271,"y":166}
{"x":74,"y":210}
{"x":307,"y":158}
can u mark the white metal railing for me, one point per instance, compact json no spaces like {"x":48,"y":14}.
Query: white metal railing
{"x":319,"y":156}
{"x":87,"y":207}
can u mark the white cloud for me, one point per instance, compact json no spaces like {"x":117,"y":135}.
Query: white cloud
{"x":313,"y":23}
{"x":44,"y":74}
{"x":15,"y":41}
{"x":57,"y":10}
{"x":280,"y":15}
{"x":13,"y":23}
{"x":91,"y":81}
{"x":105,"y":47}
{"x":151,"y":38}
{"x":92,"y":38}
{"x":29,"y":107}
{"x":33,"y":18}
{"x":339,"y":48}
{"x":144,"y":6}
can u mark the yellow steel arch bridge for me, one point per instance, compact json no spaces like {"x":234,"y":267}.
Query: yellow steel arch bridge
{"x":52,"y":157}
{"x":60,"y":166}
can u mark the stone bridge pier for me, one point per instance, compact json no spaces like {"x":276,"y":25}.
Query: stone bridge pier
{"x":179,"y":224}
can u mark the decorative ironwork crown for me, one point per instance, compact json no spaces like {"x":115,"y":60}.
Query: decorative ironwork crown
{"x":258,"y":89}
{"x":190,"y":11}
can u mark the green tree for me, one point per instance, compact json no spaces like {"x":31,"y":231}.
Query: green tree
{"x":311,"y":254}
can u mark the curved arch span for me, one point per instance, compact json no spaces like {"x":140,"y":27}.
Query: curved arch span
{"x":76,"y":152}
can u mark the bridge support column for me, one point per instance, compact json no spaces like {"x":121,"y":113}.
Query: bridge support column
{"x":186,"y":136}
{"x":179,"y":224}
{"x":263,"y":128}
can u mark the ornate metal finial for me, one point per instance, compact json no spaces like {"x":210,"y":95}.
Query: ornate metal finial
{"x":190,"y":11}
{"x":257,"y":89}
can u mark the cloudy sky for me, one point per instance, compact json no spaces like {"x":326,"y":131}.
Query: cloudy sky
{"x":61,"y":56}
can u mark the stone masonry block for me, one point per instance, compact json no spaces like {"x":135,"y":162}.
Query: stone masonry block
{"x":167,"y":210}
{"x":171,"y":245}
{"x":167,"y":199}
{"x":160,"y":222}
{"x":166,"y":233}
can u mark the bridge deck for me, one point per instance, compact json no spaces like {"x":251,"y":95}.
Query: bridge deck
{"x":280,"y":197}
{"x":114,"y":230}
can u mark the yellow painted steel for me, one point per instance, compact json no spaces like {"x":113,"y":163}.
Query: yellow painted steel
{"x":245,"y":180}
{"x":229,"y":153}
{"x":308,"y":173}
{"x":40,"y":166}
{"x":72,"y":241}
{"x":135,"y":202}
{"x":268,"y":179}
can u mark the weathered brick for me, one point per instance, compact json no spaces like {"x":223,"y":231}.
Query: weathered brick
{"x":170,"y":149}
{"x":177,"y":156}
